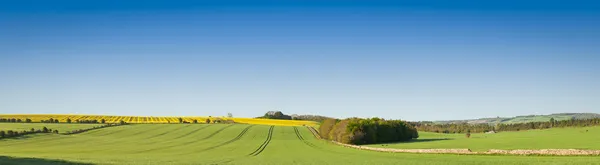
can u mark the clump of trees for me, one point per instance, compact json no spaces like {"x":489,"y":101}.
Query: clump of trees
{"x":276,"y":115}
{"x":51,"y":120}
{"x":316,"y":118}
{"x":89,"y":129}
{"x":480,"y":128}
{"x":367,"y":131}
{"x":14,"y":120}
{"x":452,"y":128}
{"x":87,"y":121}
{"x":12,"y":133}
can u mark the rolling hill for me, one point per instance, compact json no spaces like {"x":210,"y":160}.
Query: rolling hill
{"x":524,"y":119}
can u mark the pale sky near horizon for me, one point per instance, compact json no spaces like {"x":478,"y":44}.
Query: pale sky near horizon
{"x":422,"y":60}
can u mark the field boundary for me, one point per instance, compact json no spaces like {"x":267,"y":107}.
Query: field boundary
{"x":524,"y":152}
{"x":90,"y":129}
{"x":264,"y":145}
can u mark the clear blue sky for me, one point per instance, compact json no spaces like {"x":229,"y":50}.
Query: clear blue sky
{"x":411,"y":60}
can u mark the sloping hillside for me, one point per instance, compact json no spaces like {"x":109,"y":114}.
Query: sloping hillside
{"x":524,"y":119}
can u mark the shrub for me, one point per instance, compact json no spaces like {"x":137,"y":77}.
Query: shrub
{"x":207,"y":121}
{"x":10,"y":133}
{"x":2,"y":134}
{"x":367,"y":131}
{"x":468,"y":135}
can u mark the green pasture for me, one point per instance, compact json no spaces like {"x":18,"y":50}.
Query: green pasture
{"x":556,"y":138}
{"x":232,"y":144}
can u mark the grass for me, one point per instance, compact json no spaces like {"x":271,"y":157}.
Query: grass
{"x":38,"y":126}
{"x":556,"y":138}
{"x":224,"y":144}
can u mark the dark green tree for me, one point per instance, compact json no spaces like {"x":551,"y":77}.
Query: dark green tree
{"x":10,"y":133}
{"x":68,"y":120}
{"x":2,"y":134}
{"x":207,"y":121}
{"x":195,"y":121}
{"x":27,"y":120}
{"x":102,"y":121}
{"x":180,"y":120}
{"x":468,"y":134}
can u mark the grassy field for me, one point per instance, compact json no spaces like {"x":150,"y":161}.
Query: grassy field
{"x":557,"y":138}
{"x":223,"y":144}
{"x":38,"y":126}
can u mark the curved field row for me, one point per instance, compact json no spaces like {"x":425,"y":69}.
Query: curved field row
{"x":188,"y":144}
{"x":264,"y":145}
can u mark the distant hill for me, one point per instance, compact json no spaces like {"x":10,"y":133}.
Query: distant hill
{"x":524,"y":119}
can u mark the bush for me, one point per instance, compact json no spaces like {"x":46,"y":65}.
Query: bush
{"x":367,"y":131}
{"x":2,"y":134}
{"x":207,"y":121}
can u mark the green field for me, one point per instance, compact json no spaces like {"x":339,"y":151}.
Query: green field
{"x":226,"y":144}
{"x":557,"y":138}
{"x":62,"y":128}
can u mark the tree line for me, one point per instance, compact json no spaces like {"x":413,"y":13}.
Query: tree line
{"x":367,"y":131}
{"x":480,"y":128}
{"x":276,"y":115}
{"x":93,"y":128}
{"x":316,"y":118}
{"x":13,"y":120}
{"x":12,"y":133}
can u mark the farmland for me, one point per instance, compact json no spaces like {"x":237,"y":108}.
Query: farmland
{"x":155,"y":119}
{"x":226,"y":144}
{"x":556,"y":138}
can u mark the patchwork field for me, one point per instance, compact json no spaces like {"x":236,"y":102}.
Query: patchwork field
{"x":556,"y":138}
{"x":155,"y":119}
{"x":224,"y":144}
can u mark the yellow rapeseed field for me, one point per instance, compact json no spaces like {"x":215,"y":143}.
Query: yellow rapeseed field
{"x":153,"y":119}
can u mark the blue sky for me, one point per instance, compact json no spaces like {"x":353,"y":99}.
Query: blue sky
{"x":411,"y":60}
